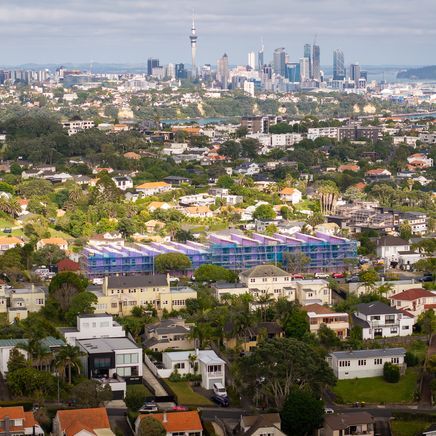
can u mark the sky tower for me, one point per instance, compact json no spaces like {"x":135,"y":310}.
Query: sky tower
{"x":193,"y":37}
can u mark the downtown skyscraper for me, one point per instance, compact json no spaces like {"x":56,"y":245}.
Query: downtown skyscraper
{"x":338,"y":65}
{"x":279,"y":61}
{"x":222,"y":74}
{"x":316,"y":63}
{"x":308,"y":55}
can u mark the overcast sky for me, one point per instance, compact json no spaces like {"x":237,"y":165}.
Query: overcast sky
{"x":130,"y":31}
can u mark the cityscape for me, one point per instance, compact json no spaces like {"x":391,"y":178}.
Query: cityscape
{"x":222,"y":225}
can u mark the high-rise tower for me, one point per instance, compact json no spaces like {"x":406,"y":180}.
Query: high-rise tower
{"x":316,"y":62}
{"x":308,"y":55}
{"x":338,"y":65}
{"x":193,"y":37}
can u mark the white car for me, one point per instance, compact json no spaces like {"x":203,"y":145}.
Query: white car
{"x":321,"y":275}
{"x":219,"y":389}
{"x":329,"y":411}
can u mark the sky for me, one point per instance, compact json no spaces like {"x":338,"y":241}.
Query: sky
{"x":372,"y":32}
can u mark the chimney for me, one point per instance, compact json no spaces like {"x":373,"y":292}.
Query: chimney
{"x":165,"y":418}
{"x":7,"y":425}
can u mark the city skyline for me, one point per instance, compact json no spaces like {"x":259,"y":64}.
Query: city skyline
{"x":131,"y":32}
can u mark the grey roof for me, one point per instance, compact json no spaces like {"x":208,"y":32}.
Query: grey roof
{"x":376,"y":308}
{"x":228,"y":285}
{"x":138,"y":281}
{"x":94,"y":315}
{"x":264,"y":271}
{"x":356,"y":321}
{"x":342,"y":421}
{"x":362,"y":354}
{"x":172,"y":329}
{"x":258,"y":422}
{"x":391,"y":241}
{"x":107,"y":345}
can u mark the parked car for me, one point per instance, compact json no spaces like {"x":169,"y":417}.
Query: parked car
{"x":221,"y":401}
{"x":352,"y":279}
{"x":321,"y":275}
{"x":297,"y":276}
{"x":7,"y":230}
{"x":148,"y":407}
{"x":338,"y":275}
{"x":426,"y":278}
{"x":329,"y":411}
{"x":219,"y":389}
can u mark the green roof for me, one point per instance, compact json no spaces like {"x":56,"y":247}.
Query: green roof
{"x":48,"y":342}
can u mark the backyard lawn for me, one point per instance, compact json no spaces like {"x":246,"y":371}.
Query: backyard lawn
{"x":185,"y":394}
{"x":376,"y":390}
{"x":408,"y":428}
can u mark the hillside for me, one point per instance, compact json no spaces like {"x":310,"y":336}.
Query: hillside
{"x":423,"y":73}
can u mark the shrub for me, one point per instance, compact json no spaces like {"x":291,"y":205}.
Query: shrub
{"x":391,"y":372}
{"x":136,"y":396}
{"x":411,"y":359}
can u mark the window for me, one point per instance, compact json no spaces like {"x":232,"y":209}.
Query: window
{"x":362,"y":362}
{"x":394,"y":330}
{"x":214,"y":368}
{"x":102,"y":362}
{"x":343,"y":363}
{"x":378,"y":361}
{"x":405,"y":327}
{"x":252,"y":280}
{"x":375,"y":318}
{"x":123,"y":359}
{"x":180,"y":365}
{"x":39,"y":301}
{"x":104,"y":324}
{"x":326,"y":291}
{"x":274,"y":279}
{"x":395,"y":360}
{"x":264,"y":279}
{"x":389,"y":319}
{"x":114,"y":305}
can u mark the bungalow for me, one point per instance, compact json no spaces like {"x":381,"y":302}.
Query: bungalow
{"x":158,"y":205}
{"x":268,"y":424}
{"x":132,"y":155}
{"x":78,"y":422}
{"x":59,"y":242}
{"x":344,"y":424}
{"x":152,"y":188}
{"x":321,"y":315}
{"x":123,"y":182}
{"x":348,"y":167}
{"x":14,"y":420}
{"x":181,"y":423}
{"x":415,"y":301}
{"x":204,"y":362}
{"x":290,"y":195}
{"x":420,"y":160}
{"x":198,"y":212}
{"x":6,"y":243}
{"x":378,"y":320}
{"x":153,"y":226}
{"x":364,"y":363}
{"x":378,"y":174}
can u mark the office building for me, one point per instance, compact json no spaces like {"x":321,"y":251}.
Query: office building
{"x":260,"y":58}
{"x":293,"y":72}
{"x":180,"y":71}
{"x":234,"y":251}
{"x":308,"y":55}
{"x":151,"y":63}
{"x":338,"y":65}
{"x":304,"y":69}
{"x":355,"y":73}
{"x":252,"y":60}
{"x":316,"y":63}
{"x":193,"y":38}
{"x":357,"y":133}
{"x":279,"y":61}
{"x":222,"y":74}
{"x":171,"y":71}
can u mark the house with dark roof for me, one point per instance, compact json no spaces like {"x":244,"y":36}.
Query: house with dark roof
{"x":172,"y":333}
{"x":415,"y":301}
{"x":378,"y":320}
{"x":341,"y":424}
{"x":364,"y":363}
{"x":249,"y":338}
{"x":260,"y":425}
{"x":388,"y":248}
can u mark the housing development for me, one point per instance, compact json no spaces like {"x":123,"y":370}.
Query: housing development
{"x":221,"y":247}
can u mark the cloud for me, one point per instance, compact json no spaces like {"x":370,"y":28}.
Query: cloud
{"x":130,"y":30}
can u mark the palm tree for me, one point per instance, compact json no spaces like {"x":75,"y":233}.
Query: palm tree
{"x":328,"y":194}
{"x":263,"y":301}
{"x":10,"y":206}
{"x":67,"y":358}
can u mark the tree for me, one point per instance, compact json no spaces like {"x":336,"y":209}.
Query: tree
{"x":135,"y":397}
{"x":271,"y":229}
{"x":315,"y":219}
{"x":264,"y":212}
{"x":391,"y":372}
{"x":48,"y":255}
{"x":150,"y":426}
{"x":16,"y":360}
{"x":302,"y":413}
{"x":411,"y":359}
{"x":427,"y":246}
{"x":230,"y":149}
{"x":427,"y":323}
{"x":67,"y":358}
{"x":28,"y":382}
{"x":92,"y":393}
{"x":427,"y":265}
{"x":327,"y":337}
{"x":328,"y":194}
{"x":295,"y":262}
{"x":405,"y":230}
{"x":369,"y":278}
{"x":214,"y":273}
{"x":172,"y":262}
{"x":81,"y":303}
{"x":105,"y":190}
{"x":296,"y":323}
{"x":37,"y":354}
{"x":276,"y":366}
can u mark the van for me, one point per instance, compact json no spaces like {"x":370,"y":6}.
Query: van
{"x":219,"y":389}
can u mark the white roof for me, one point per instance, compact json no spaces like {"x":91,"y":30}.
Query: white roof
{"x":205,"y":356}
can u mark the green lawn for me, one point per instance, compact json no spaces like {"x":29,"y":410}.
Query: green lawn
{"x":408,"y":428}
{"x":4,"y":222}
{"x":376,"y":390}
{"x":186,"y":395}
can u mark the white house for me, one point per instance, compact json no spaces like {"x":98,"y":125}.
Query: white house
{"x":290,"y":195}
{"x":123,"y":182}
{"x":93,"y":326}
{"x":152,"y":188}
{"x":316,"y":291}
{"x":364,"y":363}
{"x":388,"y":248}
{"x":414,"y":301}
{"x":378,"y":320}
{"x":204,"y":362}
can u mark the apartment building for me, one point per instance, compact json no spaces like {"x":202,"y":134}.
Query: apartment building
{"x":364,"y":363}
{"x":378,"y":320}
{"x":77,"y":126}
{"x":120,"y":294}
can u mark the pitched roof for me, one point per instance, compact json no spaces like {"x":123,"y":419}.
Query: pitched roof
{"x":257,"y":422}
{"x":362,"y":354}
{"x":413,"y":294}
{"x":317,"y":308}
{"x":178,"y":421}
{"x":391,"y":241}
{"x":16,"y":412}
{"x":153,"y":185}
{"x":138,"y":281}
{"x":264,"y":271}
{"x":72,"y":421}
{"x":348,"y":167}
{"x":54,"y":241}
{"x":341,"y":421}
{"x":68,"y":265}
{"x":289,"y":191}
{"x":10,"y":240}
{"x":376,"y":308}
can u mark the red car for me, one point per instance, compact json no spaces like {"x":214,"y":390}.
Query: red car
{"x":297,"y":276}
{"x":338,"y":275}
